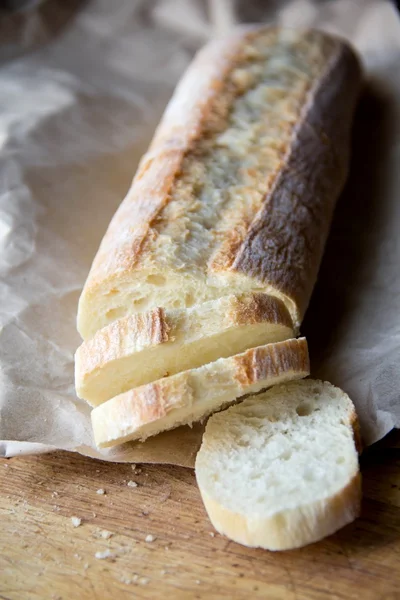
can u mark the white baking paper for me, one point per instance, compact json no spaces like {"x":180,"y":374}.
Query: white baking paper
{"x":82,"y":86}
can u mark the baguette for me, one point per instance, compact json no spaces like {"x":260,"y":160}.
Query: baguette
{"x":237,"y":189}
{"x":142,"y":348}
{"x":192,"y":395}
{"x":281,"y":469}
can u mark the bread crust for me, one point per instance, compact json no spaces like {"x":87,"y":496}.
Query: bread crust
{"x":284,"y":244}
{"x":257,"y":364}
{"x":271,"y":236}
{"x":201,"y":391}
{"x":292,"y":528}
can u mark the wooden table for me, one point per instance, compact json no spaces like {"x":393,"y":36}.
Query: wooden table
{"x":43,"y":556}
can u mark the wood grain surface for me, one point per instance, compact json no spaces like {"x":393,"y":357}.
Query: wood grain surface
{"x":43,"y":556}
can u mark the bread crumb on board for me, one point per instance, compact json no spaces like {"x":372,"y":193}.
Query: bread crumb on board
{"x":106,"y":534}
{"x":102,"y":533}
{"x":134,"y":579}
{"x":132,"y":484}
{"x":149,"y":538}
{"x":101,"y":491}
{"x":104,"y":554}
{"x":76,"y":521}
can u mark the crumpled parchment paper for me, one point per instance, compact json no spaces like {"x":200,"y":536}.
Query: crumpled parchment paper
{"x":82,"y":87}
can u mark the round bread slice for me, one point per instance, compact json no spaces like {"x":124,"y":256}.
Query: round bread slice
{"x":192,"y":395}
{"x":145,"y":347}
{"x":280,"y":470}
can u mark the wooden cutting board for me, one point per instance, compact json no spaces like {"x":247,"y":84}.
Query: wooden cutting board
{"x":43,"y":556}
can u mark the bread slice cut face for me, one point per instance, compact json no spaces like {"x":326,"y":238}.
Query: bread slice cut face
{"x":192,"y":395}
{"x":141,"y":348}
{"x":280,"y":470}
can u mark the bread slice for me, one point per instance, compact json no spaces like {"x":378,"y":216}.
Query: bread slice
{"x":142,"y":348}
{"x":280,"y":470}
{"x":190,"y":396}
{"x":238,"y":187}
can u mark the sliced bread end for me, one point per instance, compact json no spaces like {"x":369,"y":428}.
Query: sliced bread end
{"x":280,"y":470}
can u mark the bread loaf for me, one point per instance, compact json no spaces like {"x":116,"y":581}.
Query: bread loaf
{"x":237,"y":189}
{"x":144,"y":347}
{"x":192,"y":395}
{"x":280,"y":470}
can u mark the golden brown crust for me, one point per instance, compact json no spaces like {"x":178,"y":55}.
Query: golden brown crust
{"x":149,"y":328}
{"x":257,"y":364}
{"x":182,"y":124}
{"x":248,"y":309}
{"x":158,"y":327}
{"x":293,"y":223}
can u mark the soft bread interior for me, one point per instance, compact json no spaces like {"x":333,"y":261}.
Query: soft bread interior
{"x":139,"y":349}
{"x":280,"y":470}
{"x":190,"y":396}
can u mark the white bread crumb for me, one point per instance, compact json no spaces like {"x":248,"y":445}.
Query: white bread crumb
{"x":149,"y":538}
{"x":104,"y":554}
{"x":101,"y":491}
{"x":132,"y":484}
{"x":212,"y":534}
{"x":106,"y":534}
{"x":133,"y":467}
{"x":144,"y":580}
{"x":76,"y":521}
